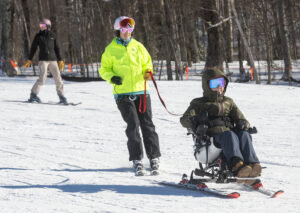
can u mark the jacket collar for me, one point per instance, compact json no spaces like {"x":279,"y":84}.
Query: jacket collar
{"x":123,"y":42}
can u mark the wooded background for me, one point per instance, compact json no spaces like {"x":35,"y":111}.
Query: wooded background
{"x":184,"y":31}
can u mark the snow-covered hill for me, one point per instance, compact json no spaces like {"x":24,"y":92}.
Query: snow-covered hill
{"x":74,"y":158}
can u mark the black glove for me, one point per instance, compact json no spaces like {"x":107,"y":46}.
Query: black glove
{"x":199,"y":124}
{"x":201,"y":131}
{"x":242,"y":125}
{"x":202,"y":118}
{"x":116,"y":80}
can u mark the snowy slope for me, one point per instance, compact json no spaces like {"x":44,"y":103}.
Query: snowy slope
{"x":74,"y":158}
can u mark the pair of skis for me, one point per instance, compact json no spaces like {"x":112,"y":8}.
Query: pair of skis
{"x":58,"y":103}
{"x":49,"y":103}
{"x":203,"y":188}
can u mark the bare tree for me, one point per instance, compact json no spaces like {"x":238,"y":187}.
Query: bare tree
{"x":245,"y":42}
{"x":210,"y":13}
{"x":287,"y":75}
{"x":172,"y":31}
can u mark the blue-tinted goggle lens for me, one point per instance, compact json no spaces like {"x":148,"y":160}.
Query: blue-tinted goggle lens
{"x":214,"y":83}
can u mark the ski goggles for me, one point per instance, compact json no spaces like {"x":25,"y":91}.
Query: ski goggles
{"x":43,"y":25}
{"x":127,"y":21}
{"x":214,"y":83}
{"x":129,"y":29}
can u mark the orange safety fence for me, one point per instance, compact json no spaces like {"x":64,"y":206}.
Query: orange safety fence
{"x":16,"y":64}
{"x":187,"y":73}
{"x":70,"y":68}
{"x":13,"y":64}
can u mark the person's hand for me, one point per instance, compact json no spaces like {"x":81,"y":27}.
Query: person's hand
{"x":242,"y":125}
{"x":201,"y":131}
{"x":147,"y":75}
{"x":61,"y":65}
{"x":201,"y":118}
{"x":116,"y":80}
{"x":199,"y":124}
{"x":27,"y":64}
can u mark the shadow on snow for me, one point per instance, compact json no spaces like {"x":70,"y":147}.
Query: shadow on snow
{"x":122,"y":189}
{"x":94,"y":170}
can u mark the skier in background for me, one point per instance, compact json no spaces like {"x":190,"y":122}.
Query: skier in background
{"x":218,"y":116}
{"x":49,"y":53}
{"x":126,"y":64}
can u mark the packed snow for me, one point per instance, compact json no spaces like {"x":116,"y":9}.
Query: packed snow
{"x":74,"y":158}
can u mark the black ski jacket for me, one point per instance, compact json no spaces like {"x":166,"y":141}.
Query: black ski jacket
{"x":47,"y":43}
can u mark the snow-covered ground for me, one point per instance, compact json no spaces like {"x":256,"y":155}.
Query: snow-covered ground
{"x":75,"y":159}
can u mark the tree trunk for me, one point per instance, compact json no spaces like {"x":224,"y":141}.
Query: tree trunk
{"x":78,"y":31}
{"x":5,"y":31}
{"x":228,"y":32}
{"x":214,"y":56}
{"x":39,"y":3}
{"x":171,"y":21}
{"x":245,"y":42}
{"x":26,"y":26}
{"x":292,"y":35}
{"x":53,"y":16}
{"x":181,"y":29}
{"x":287,"y":75}
{"x":147,"y":27}
{"x":243,"y":76}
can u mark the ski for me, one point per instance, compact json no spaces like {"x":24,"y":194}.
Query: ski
{"x":48,"y":103}
{"x":258,"y":187}
{"x":201,"y":188}
{"x":58,"y":103}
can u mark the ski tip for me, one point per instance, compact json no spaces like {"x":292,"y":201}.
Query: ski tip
{"x":234,"y":195}
{"x":277,"y":193}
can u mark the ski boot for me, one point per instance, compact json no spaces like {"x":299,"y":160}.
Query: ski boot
{"x":34,"y":98}
{"x":256,"y":170}
{"x":154,"y":165}
{"x":139,"y":168}
{"x":62,"y":100}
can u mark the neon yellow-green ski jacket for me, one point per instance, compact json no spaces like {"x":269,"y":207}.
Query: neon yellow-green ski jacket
{"x":130,"y":63}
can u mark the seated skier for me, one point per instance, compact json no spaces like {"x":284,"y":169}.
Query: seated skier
{"x":217,"y":116}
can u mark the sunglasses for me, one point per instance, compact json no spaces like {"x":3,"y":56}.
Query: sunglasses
{"x":43,"y":25}
{"x":123,"y":30}
{"x":214,"y":83}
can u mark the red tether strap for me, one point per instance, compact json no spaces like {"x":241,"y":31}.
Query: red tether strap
{"x":161,"y":100}
{"x":145,"y":99}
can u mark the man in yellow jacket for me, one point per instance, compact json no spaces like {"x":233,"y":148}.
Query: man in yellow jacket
{"x":126,"y":64}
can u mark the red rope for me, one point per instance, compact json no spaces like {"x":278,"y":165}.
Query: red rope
{"x":161,"y":100}
{"x":145,"y":99}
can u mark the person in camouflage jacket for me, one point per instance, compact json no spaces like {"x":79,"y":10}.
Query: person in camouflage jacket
{"x":217,"y":116}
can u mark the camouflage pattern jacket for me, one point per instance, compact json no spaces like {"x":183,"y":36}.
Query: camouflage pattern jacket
{"x":217,"y":106}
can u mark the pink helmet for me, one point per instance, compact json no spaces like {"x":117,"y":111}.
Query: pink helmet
{"x":123,"y":21}
{"x":46,"y":21}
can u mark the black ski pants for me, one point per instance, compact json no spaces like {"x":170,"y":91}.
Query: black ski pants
{"x":237,"y":145}
{"x":130,"y":112}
